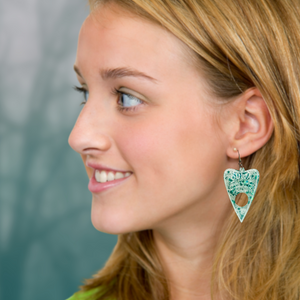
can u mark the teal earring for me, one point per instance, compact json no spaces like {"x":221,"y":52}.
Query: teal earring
{"x":241,"y":181}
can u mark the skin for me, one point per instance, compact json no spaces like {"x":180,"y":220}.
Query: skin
{"x":171,"y":142}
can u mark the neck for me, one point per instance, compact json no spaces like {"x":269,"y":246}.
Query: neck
{"x":186,"y":247}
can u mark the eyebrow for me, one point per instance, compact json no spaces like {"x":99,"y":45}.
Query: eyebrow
{"x":114,"y":73}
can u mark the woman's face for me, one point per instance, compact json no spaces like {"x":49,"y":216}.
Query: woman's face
{"x":165,"y":136}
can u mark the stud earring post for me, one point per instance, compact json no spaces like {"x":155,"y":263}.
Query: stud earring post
{"x":240,"y":161}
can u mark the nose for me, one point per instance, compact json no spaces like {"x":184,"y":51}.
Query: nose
{"x":89,"y":134}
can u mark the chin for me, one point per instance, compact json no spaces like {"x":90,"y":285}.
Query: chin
{"x":113,"y":222}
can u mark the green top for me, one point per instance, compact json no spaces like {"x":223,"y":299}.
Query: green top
{"x":83,"y":295}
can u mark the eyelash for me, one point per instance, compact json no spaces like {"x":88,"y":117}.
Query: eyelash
{"x":115,"y":92}
{"x":120,"y":107}
{"x":83,"y":91}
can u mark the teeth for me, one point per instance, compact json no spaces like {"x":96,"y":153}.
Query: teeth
{"x":110,"y":176}
{"x":119,"y":175}
{"x":97,"y":176}
{"x":103,"y":176}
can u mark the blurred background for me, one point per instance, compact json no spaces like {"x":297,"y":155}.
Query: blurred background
{"x":47,"y":242}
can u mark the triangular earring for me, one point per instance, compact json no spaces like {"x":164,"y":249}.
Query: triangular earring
{"x":241,"y":181}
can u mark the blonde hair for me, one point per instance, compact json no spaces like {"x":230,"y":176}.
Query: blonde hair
{"x":238,"y":44}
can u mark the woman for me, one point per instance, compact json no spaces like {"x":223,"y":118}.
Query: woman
{"x":175,"y":91}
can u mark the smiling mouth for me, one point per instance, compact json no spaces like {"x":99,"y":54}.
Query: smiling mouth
{"x":103,"y":180}
{"x":103,"y":176}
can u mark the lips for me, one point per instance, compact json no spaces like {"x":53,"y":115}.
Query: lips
{"x":97,"y":187}
{"x":103,"y":176}
{"x":101,"y":167}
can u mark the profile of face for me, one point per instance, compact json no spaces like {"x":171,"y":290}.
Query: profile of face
{"x":160,"y":127}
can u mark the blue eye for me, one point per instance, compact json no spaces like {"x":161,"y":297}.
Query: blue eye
{"x":84,"y":92}
{"x":127,"y":102}
{"x":86,"y":95}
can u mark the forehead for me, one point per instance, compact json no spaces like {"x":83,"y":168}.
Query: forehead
{"x":111,"y":36}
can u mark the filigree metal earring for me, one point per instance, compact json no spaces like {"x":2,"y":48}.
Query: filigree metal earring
{"x":241,"y":181}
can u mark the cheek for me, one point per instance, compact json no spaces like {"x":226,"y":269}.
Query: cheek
{"x":168,"y":145}
{"x":143,"y":146}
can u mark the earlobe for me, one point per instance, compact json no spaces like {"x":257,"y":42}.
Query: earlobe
{"x":253,"y":123}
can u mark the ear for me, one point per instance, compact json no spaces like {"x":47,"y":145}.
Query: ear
{"x":251,"y":124}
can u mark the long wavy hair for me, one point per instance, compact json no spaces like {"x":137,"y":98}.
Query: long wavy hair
{"x":239,"y":44}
